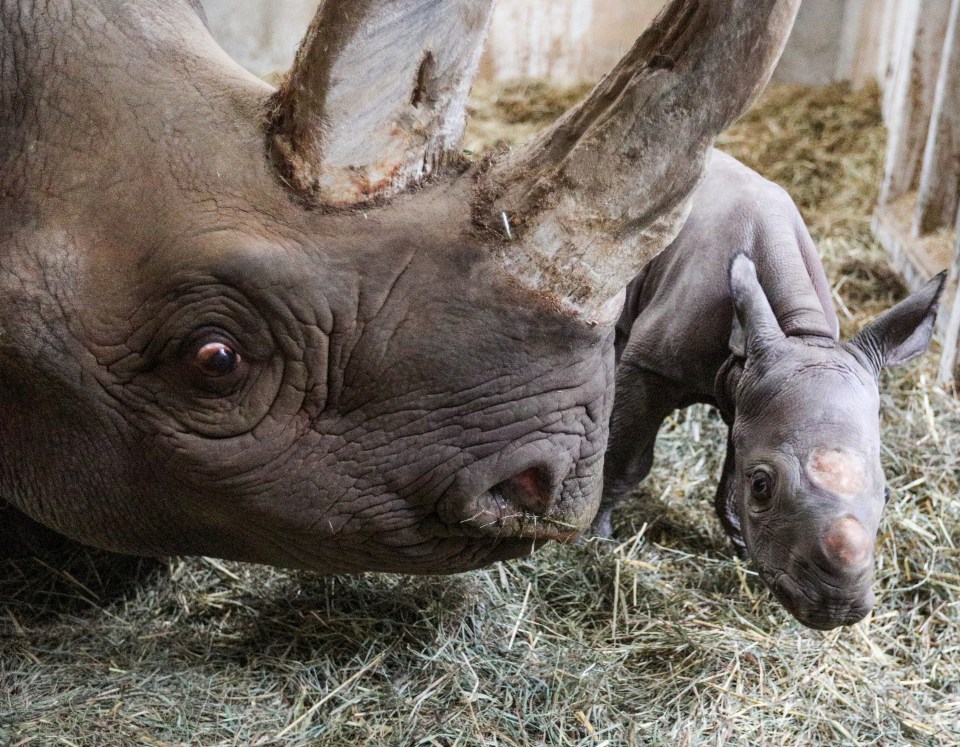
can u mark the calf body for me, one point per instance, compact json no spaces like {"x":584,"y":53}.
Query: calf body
{"x":802,"y":488}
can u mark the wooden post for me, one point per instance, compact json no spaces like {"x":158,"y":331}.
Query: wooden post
{"x":940,"y":179}
{"x":898,"y":21}
{"x":860,"y":42}
{"x":912,"y":41}
{"x":919,"y":34}
{"x":949,"y":361}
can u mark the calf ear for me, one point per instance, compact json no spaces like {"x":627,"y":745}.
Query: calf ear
{"x":725,"y":501}
{"x":755,"y":326}
{"x":903,"y":332}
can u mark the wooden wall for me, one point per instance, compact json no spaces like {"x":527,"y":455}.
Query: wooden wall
{"x":913,"y":48}
{"x":566,"y":41}
{"x":573,"y":41}
{"x":259,"y":34}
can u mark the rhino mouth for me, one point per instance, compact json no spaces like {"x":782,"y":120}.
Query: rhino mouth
{"x":816,"y":610}
{"x":540,"y":500}
{"x":499,"y":518}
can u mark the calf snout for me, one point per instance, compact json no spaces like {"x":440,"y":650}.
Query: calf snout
{"x":830,"y":583}
{"x":827,"y":581}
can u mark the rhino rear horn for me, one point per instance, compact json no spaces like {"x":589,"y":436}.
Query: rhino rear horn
{"x":375,"y":100}
{"x":755,"y":326}
{"x":903,"y":332}
{"x":607,"y":187}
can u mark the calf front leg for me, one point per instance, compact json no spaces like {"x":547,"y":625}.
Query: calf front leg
{"x":643,"y":399}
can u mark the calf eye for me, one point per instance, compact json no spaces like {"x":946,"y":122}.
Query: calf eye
{"x":216,"y":359}
{"x":760,"y":487}
{"x":886,"y":495}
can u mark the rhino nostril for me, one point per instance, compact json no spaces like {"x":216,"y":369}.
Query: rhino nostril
{"x":529,"y":490}
{"x":847,"y":544}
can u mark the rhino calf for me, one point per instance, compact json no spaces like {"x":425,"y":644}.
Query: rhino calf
{"x":737,"y":313}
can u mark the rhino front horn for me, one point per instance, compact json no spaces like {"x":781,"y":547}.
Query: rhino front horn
{"x":375,"y":100}
{"x":848,"y":546}
{"x":607,"y":187}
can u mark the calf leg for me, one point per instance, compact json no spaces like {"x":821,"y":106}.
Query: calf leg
{"x":642,"y":401}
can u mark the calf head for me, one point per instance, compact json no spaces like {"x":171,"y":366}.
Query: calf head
{"x":294,"y":326}
{"x":803,"y":488}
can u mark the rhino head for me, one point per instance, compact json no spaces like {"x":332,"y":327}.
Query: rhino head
{"x":803,"y":487}
{"x":294,"y":325}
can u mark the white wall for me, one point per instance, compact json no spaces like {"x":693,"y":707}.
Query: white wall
{"x":813,"y":52}
{"x":564,"y":40}
{"x":568,"y":41}
{"x":262,"y":35}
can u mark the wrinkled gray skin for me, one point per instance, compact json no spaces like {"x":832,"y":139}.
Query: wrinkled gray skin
{"x":802,"y":487}
{"x":399,"y":404}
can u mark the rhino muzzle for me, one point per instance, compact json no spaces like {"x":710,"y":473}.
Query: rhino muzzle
{"x":827,"y":583}
{"x":818,"y":604}
{"x":543,"y":497}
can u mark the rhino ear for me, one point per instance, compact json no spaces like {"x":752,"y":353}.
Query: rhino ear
{"x":903,"y":332}
{"x":755,"y":326}
{"x":738,"y":340}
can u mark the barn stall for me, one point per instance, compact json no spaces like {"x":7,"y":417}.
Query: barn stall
{"x":659,"y":637}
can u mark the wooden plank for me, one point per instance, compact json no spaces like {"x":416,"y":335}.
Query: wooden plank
{"x":574,"y":41}
{"x":813,"y":53}
{"x":860,"y":42}
{"x":898,"y":20}
{"x":260,"y":36}
{"x":949,"y":361}
{"x":564,"y":41}
{"x":883,"y":61}
{"x":917,"y":258}
{"x":920,"y":34}
{"x":940,"y":179}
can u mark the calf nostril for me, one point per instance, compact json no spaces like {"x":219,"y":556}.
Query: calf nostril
{"x":529,"y":490}
{"x":847,"y":544}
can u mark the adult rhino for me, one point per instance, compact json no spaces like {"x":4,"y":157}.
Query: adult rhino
{"x":293,"y":326}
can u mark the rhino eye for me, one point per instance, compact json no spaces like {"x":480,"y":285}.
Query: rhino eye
{"x":760,"y":483}
{"x":216,"y":359}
